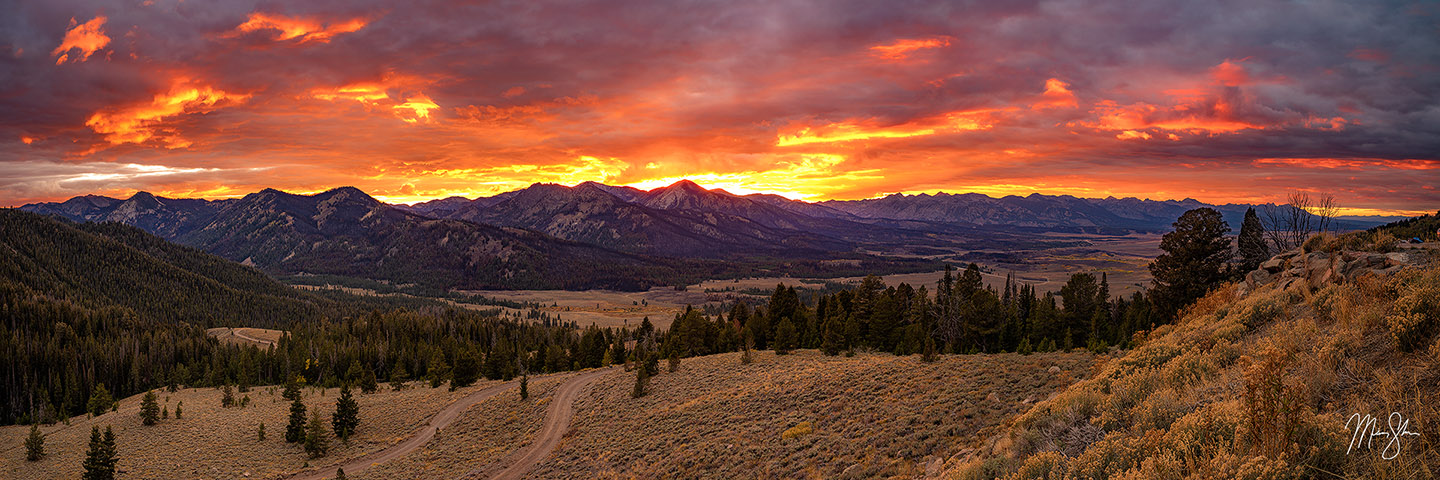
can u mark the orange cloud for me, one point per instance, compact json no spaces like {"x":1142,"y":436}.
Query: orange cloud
{"x":1230,"y":74}
{"x":361,"y":92}
{"x":1352,"y":163}
{"x":965,"y":120}
{"x":1133,"y":135}
{"x":1201,"y":115}
{"x":88,"y":38}
{"x":300,"y":29}
{"x":1057,"y":95}
{"x":140,"y":123}
{"x":416,"y":109}
{"x":901,"y":49}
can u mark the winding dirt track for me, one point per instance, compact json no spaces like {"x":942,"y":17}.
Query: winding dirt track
{"x":557,"y":422}
{"x":440,"y":420}
{"x":250,"y":338}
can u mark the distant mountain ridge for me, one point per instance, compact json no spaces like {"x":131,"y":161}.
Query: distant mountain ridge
{"x":346,"y":232}
{"x":600,"y":236}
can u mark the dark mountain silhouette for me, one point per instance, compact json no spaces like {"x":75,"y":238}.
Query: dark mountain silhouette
{"x":1046,"y":212}
{"x":346,"y":232}
{"x":680,"y":220}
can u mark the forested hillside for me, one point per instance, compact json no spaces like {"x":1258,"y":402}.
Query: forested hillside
{"x":86,"y":306}
{"x":95,"y":266}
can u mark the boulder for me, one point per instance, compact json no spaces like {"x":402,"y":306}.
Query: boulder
{"x":1258,"y":277}
{"x":1273,"y":265}
{"x":1397,"y":258}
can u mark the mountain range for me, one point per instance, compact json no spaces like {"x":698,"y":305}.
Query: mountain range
{"x":600,"y":236}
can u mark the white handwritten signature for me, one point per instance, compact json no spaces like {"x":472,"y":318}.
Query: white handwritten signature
{"x":1365,"y":432}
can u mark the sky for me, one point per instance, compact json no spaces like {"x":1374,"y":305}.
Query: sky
{"x":1224,"y":102}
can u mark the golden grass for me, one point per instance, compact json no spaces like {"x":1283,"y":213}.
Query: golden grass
{"x":215,"y":442}
{"x":1259,"y":386}
{"x":485,"y":434}
{"x":802,"y":415}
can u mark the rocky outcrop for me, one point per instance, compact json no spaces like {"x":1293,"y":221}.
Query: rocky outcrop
{"x":1320,"y":268}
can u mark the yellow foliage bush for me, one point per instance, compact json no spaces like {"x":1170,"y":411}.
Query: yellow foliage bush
{"x":1041,"y":466}
{"x":799,"y":430}
{"x":1416,"y":314}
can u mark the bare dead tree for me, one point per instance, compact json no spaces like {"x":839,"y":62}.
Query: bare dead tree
{"x":1325,"y":209}
{"x":1287,"y":226}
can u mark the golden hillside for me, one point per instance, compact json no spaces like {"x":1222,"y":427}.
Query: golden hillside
{"x":1259,"y":380}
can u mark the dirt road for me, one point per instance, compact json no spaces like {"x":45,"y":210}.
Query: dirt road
{"x":240,"y":334}
{"x":437,"y":422}
{"x":557,"y":422}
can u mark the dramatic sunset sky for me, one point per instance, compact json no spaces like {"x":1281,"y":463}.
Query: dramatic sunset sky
{"x":1167,"y":99}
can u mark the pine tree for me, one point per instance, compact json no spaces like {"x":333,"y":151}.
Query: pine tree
{"x":100,"y":400}
{"x":352,"y":375}
{"x":347,"y":414}
{"x":398,"y":377}
{"x":1025,"y":348}
{"x":227,"y":398}
{"x":784,"y":336}
{"x":618,"y":355}
{"x":295,"y":431}
{"x":748,"y":344}
{"x":832,"y":341}
{"x":367,"y":382}
{"x":340,"y":474}
{"x":35,"y":444}
{"x":438,"y":371}
{"x":642,"y":379}
{"x":316,"y":443}
{"x":292,"y":390}
{"x":100,"y":459}
{"x":674,"y":360}
{"x":467,"y":370}
{"x":149,"y":409}
{"x":524,"y":387}
{"x":1196,"y":254}
{"x":261,"y":434}
{"x":928,"y":355}
{"x":165,"y":412}
{"x":178,"y":406}
{"x":1251,"y":242}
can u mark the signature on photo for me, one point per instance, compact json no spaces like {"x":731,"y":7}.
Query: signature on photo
{"x":1365,"y":431}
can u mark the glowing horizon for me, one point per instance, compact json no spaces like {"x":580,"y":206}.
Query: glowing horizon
{"x":859,"y":101}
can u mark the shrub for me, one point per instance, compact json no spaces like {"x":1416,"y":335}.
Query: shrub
{"x":1358,"y":241}
{"x":1260,"y":308}
{"x":799,"y":430}
{"x":1159,"y":410}
{"x":1042,"y":466}
{"x":1413,"y":318}
{"x":1273,"y":407}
